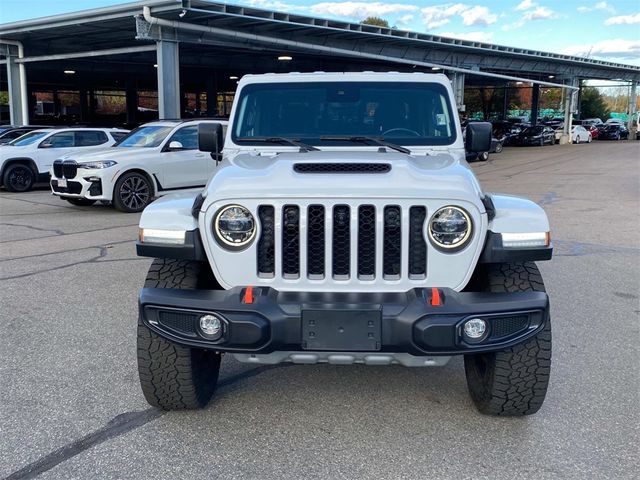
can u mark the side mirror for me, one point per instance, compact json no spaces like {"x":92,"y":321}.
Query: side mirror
{"x":210,"y":139}
{"x":478,"y":137}
{"x":46,"y":145}
{"x":175,"y":145}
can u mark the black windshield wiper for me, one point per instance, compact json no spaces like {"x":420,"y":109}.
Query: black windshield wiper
{"x":363,"y":139}
{"x":291,"y":141}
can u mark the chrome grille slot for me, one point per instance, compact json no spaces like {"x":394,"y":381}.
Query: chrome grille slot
{"x":266,"y":244}
{"x":417,"y":243}
{"x":291,"y":241}
{"x":315,"y":241}
{"x":392,"y":257}
{"x":341,"y":242}
{"x":366,"y":242}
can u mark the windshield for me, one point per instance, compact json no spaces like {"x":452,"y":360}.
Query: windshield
{"x":404,"y":113}
{"x":146,"y":136}
{"x":27,"y":139}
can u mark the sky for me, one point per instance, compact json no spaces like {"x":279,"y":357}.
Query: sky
{"x":607,"y":30}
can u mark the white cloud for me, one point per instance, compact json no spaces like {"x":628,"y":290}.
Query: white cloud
{"x":613,"y":48}
{"x":623,"y":20}
{"x":273,"y":5}
{"x":526,"y":5}
{"x":439,"y":15}
{"x":405,"y":20}
{"x":361,"y":10}
{"x":478,"y":16}
{"x":540,"y":13}
{"x":485,"y":37}
{"x":598,"y":6}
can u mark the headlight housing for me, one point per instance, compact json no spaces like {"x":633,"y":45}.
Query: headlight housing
{"x":234,"y":227}
{"x":98,"y":165}
{"x":450,"y":228}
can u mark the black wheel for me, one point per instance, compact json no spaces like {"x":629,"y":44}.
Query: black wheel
{"x":499,"y":147}
{"x":483,"y":156}
{"x":133,"y":192}
{"x":542,"y":142}
{"x":578,"y":139}
{"x":512,"y":382}
{"x":80,"y":202}
{"x":18,"y":178}
{"x":174,"y":377}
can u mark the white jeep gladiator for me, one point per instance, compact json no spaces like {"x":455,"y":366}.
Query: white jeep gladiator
{"x":343,"y":225}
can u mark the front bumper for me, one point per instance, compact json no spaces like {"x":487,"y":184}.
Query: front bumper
{"x":90,"y":187}
{"x":400,"y":322}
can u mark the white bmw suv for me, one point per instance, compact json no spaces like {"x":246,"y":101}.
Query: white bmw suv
{"x":28,"y":159}
{"x":153,"y":160}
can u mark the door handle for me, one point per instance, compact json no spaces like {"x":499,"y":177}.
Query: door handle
{"x":199,"y":154}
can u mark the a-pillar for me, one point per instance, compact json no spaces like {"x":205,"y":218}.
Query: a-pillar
{"x":535,"y":100}
{"x":17,"y":82}
{"x":168,"y":55}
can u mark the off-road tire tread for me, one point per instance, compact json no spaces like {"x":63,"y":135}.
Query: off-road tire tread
{"x":174,"y":377}
{"x":516,"y":381}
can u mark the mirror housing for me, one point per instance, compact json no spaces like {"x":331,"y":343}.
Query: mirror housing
{"x":175,"y":145}
{"x":45,"y":145}
{"x":478,"y":138}
{"x":210,"y":139}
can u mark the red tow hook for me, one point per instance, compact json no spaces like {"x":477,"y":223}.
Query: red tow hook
{"x":248,"y":295}
{"x":436,"y":300}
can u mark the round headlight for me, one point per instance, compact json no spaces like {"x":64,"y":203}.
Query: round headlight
{"x":450,"y":228}
{"x":234,"y":226}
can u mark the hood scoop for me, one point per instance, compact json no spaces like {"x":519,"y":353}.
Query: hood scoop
{"x":342,"y":168}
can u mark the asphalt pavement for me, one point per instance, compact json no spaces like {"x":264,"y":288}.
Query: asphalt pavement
{"x":71,"y":406}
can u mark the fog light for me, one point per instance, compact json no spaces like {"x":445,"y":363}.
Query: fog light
{"x":475,"y":328}
{"x":211,"y":326}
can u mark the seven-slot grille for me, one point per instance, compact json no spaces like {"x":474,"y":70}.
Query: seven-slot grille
{"x":342,"y":242}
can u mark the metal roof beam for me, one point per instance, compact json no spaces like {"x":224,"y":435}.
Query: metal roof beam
{"x":91,"y":53}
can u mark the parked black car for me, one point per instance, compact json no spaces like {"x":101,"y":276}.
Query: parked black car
{"x":613,"y":132}
{"x":11,"y":132}
{"x":537,"y":135}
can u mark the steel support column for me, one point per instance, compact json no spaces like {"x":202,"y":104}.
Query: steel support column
{"x":168,"y":79}
{"x":571,"y":100}
{"x":505,"y":102}
{"x":18,"y":102}
{"x":535,"y":100}
{"x":632,"y":106}
{"x":457,"y":82}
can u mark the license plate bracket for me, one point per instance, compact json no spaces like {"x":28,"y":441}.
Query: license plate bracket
{"x":62,"y":182}
{"x":341,"y":330}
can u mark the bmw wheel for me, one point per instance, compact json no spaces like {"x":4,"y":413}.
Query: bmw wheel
{"x":132,"y":193}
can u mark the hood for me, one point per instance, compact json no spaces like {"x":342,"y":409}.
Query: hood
{"x":286,"y":175}
{"x":108,"y":153}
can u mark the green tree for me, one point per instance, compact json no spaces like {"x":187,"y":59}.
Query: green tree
{"x":377,"y":21}
{"x":592,"y":104}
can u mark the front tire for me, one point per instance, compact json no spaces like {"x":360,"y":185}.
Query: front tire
{"x":80,"y":202}
{"x":174,"y":377}
{"x":578,"y":139}
{"x":499,"y":147}
{"x":483,"y":156}
{"x":18,"y":178}
{"x":512,"y":382}
{"x":132,"y":193}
